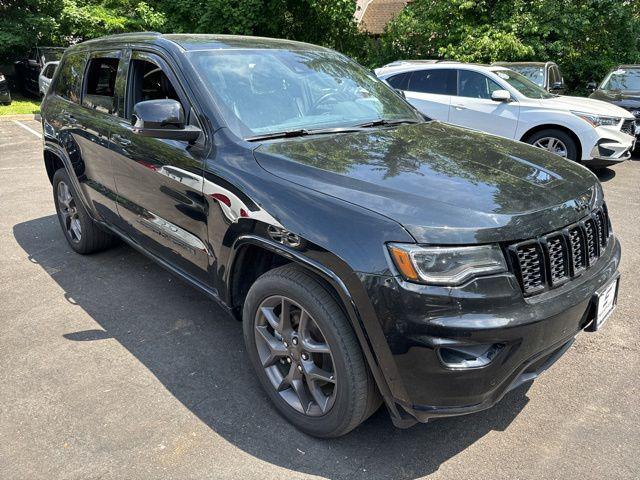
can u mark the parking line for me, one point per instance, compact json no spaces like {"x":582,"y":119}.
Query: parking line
{"x":28,"y":129}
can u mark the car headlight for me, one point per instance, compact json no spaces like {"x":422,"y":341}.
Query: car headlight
{"x":446,"y":265}
{"x":598,"y":120}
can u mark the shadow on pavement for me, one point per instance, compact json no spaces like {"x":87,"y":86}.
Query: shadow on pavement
{"x":196,"y":351}
{"x":605,"y":174}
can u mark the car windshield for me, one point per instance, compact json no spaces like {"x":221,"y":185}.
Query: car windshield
{"x":263,"y":92}
{"x":533,"y":73}
{"x":622,"y":79}
{"x":521,"y":83}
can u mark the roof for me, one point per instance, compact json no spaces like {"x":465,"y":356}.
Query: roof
{"x":523,"y":64}
{"x":189,"y":41}
{"x":411,"y":65}
{"x":373,"y":15}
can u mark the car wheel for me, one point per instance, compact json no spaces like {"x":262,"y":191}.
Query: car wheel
{"x":306,"y":354}
{"x":82,"y":233}
{"x":555,"y":141}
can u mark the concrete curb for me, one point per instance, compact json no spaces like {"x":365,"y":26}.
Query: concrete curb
{"x":24,"y":116}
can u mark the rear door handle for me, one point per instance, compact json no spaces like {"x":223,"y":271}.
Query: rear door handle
{"x":459,"y":106}
{"x":120,"y":141}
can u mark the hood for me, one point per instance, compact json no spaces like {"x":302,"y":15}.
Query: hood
{"x":629,"y":100}
{"x":586,"y":105}
{"x":443,"y":183}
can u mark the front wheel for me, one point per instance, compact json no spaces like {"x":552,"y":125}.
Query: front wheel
{"x":555,"y":141}
{"x":306,"y":354}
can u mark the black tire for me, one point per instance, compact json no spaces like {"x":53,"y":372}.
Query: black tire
{"x":91,"y":238}
{"x":356,"y":396}
{"x":570,"y":144}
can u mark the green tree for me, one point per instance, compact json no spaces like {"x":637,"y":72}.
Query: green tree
{"x":586,"y":37}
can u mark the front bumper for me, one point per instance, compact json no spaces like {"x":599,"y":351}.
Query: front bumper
{"x":609,"y":146}
{"x":459,"y":350}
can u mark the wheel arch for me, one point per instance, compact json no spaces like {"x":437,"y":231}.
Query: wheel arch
{"x":334,"y":285}
{"x":55,"y":156}
{"x":554,"y":126}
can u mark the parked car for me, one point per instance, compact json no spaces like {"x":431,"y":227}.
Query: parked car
{"x":5,"y":94}
{"x":502,"y":102}
{"x":371,"y":254}
{"x":44,"y":80}
{"x":28,"y":69}
{"x":621,"y":87}
{"x":544,"y":74}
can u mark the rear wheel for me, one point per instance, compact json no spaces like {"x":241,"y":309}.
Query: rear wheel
{"x":555,"y":141}
{"x":306,"y":354}
{"x":81,"y":232}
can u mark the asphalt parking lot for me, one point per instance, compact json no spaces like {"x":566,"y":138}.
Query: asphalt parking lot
{"x":110,"y":367}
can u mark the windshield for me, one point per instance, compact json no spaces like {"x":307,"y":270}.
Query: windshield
{"x":266,"y":91}
{"x":535,"y":74}
{"x":521,"y":83}
{"x":622,"y":79}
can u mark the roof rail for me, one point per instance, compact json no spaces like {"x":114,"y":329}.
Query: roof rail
{"x":128,"y":34}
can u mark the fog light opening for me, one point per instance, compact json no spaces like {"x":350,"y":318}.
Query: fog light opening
{"x":474,"y":356}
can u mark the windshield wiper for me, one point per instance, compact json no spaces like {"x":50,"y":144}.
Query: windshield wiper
{"x":380,"y":122}
{"x":301,"y":132}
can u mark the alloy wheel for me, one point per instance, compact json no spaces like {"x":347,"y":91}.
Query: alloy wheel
{"x":69,"y":213}
{"x":295,"y":356}
{"x":553,"y":145}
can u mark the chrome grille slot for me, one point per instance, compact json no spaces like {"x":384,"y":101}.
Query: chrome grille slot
{"x":551,"y":260}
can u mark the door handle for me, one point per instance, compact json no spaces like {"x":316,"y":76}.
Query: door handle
{"x":120,"y":141}
{"x":459,"y":106}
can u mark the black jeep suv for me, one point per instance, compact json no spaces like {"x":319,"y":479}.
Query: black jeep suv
{"x":372,"y":255}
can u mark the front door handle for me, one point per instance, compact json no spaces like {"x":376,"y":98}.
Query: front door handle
{"x":120,"y":140}
{"x":459,"y":106}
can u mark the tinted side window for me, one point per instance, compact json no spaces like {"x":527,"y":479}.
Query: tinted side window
{"x":399,"y":81}
{"x":147,"y":81}
{"x":475,"y":85}
{"x":70,"y":77}
{"x":440,"y":81}
{"x":100,"y":82}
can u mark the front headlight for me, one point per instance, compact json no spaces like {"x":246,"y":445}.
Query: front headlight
{"x":598,"y":120}
{"x":446,"y":265}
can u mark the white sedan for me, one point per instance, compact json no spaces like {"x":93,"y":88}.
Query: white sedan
{"x":502,"y":102}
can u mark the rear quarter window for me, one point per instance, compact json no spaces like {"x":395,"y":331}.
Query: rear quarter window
{"x":69,"y":79}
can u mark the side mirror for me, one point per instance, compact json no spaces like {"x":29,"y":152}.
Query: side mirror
{"x":501,"y":96}
{"x":557,"y":86}
{"x":401,"y":93}
{"x":162,"y":119}
{"x":592,"y":87}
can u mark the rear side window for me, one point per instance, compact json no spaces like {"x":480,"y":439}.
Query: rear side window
{"x":436,"y":81}
{"x":70,"y":77}
{"x":399,"y":81}
{"x":100,"y":84}
{"x":49,"y":71}
{"x":476,"y":85}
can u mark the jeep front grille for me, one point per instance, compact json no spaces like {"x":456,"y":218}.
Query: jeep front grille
{"x":553,"y":259}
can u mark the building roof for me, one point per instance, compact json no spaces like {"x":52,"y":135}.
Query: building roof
{"x":373,"y":15}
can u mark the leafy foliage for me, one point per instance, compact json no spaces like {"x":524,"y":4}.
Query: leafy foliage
{"x":586,"y":37}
